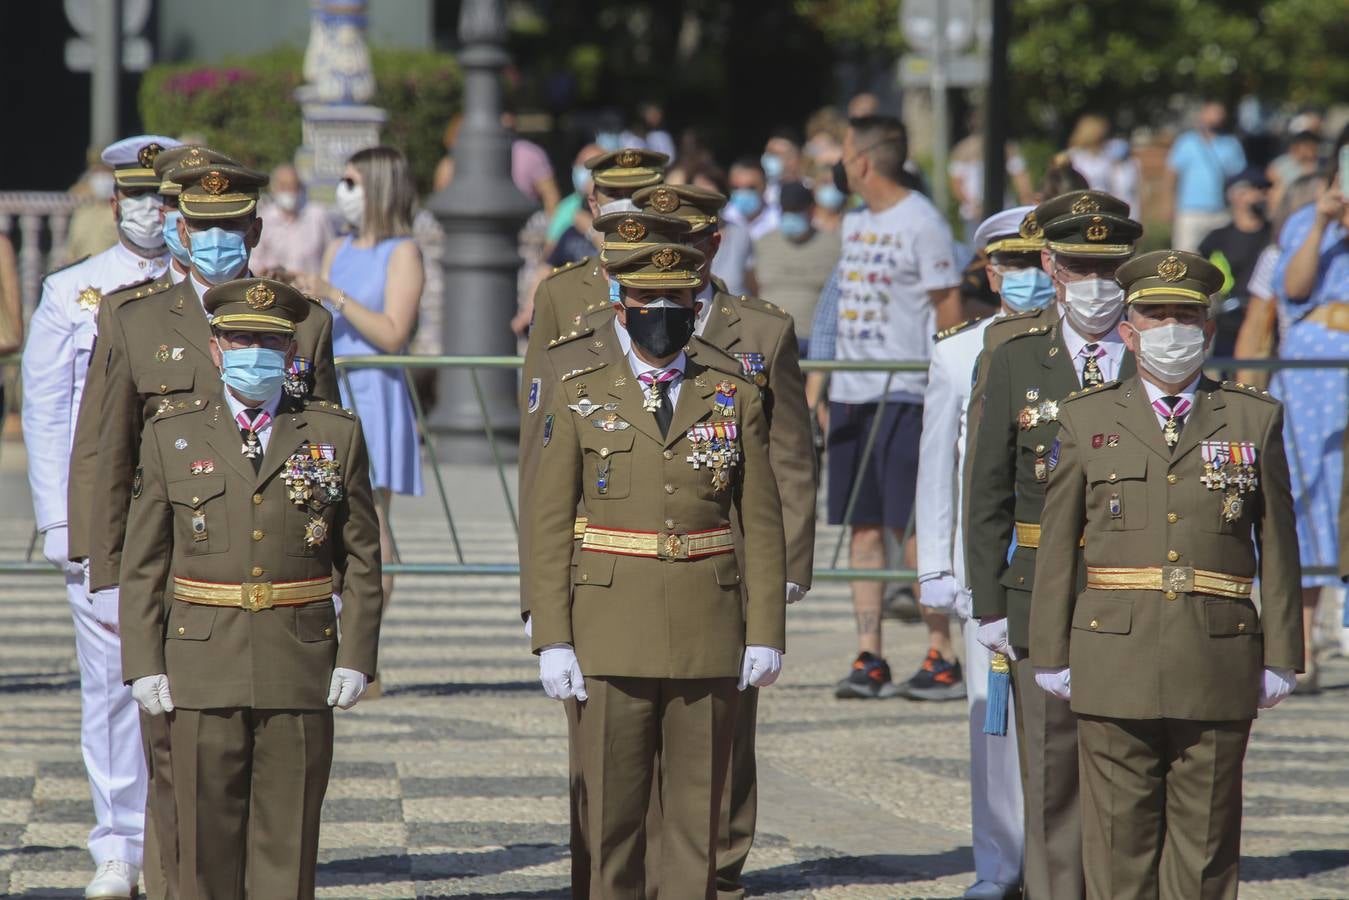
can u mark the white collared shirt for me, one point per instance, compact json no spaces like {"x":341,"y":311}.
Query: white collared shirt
{"x":1155,"y":393}
{"x":641,"y":367}
{"x":269,"y":406}
{"x":1112,"y":344}
{"x":201,"y":288}
{"x":177,"y":277}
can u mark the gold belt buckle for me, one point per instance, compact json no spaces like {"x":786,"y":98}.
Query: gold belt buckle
{"x":1179,"y":579}
{"x":671,"y":545}
{"x":255,"y":596}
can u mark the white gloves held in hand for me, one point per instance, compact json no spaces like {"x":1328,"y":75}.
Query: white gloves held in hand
{"x":152,"y":694}
{"x":346,"y":687}
{"x":560,"y":673}
{"x":56,"y":549}
{"x":1058,"y":682}
{"x":992,"y":633}
{"x":939,"y":592}
{"x":795,"y":592}
{"x":1275,"y":685}
{"x":760,"y":667}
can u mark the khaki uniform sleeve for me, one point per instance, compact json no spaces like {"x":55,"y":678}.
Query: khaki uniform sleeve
{"x":765,"y":548}
{"x":536,"y":365}
{"x":992,"y":493}
{"x":1065,"y":514}
{"x":80,"y":488}
{"x":792,"y":451}
{"x":148,"y":559}
{"x":547,"y":530}
{"x":1280,"y":565}
{"x":325,"y":373}
{"x":119,"y":433}
{"x":356,"y":560}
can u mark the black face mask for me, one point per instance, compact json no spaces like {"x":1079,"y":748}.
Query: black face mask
{"x":660,"y":331}
{"x":841,"y":177}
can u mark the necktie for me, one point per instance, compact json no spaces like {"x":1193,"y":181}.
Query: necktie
{"x":1091,"y":371}
{"x":657,"y":396}
{"x":1174,"y":409}
{"x":252,"y":420}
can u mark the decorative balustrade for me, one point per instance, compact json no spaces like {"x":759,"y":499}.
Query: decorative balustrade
{"x":43,"y":218}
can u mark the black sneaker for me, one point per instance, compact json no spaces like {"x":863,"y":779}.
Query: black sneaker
{"x":936,"y":679}
{"x":869,"y":675}
{"x":902,"y":606}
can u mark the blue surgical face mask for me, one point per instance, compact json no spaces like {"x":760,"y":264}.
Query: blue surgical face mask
{"x":253,"y":372}
{"x":1027,"y":289}
{"x":580,"y":178}
{"x":794,"y":224}
{"x":830,"y":197}
{"x":171,"y":217}
{"x":609,"y":140}
{"x":747,"y":200}
{"x":218,"y":255}
{"x":772,"y":166}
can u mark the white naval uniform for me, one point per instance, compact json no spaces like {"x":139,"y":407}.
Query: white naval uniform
{"x":55,"y":361}
{"x":996,"y":804}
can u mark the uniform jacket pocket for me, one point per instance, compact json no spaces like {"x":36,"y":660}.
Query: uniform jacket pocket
{"x":595,"y":569}
{"x":316,"y":623}
{"x":200,"y":523}
{"x":1231,"y":618}
{"x":606,"y":466}
{"x":1104,"y":615}
{"x":175,"y":380}
{"x":1117,"y":492}
{"x":190,"y":622}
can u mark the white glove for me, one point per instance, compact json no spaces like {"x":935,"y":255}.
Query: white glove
{"x":152,"y":693}
{"x":1058,"y":682}
{"x":104,"y":605}
{"x":346,"y":687}
{"x":529,"y":628}
{"x":1275,"y":685}
{"x":56,"y":549}
{"x":964,"y":604}
{"x":938,"y":593}
{"x":560,"y":672}
{"x":337,"y":605}
{"x":760,"y":667}
{"x":795,"y":592}
{"x":992,"y":634}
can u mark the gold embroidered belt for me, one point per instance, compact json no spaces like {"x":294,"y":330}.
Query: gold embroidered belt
{"x":252,"y":595}
{"x":578,"y":528}
{"x":659,"y":544}
{"x":1334,"y":316}
{"x":1173,"y":580}
{"x":1028,"y":535}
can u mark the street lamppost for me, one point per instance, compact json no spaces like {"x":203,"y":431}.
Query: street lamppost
{"x":481,"y":212}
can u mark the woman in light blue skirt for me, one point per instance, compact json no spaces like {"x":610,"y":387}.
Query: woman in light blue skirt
{"x":372,"y":282}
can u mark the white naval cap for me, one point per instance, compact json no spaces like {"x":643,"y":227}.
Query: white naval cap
{"x":133,"y":159}
{"x":1000,"y":224}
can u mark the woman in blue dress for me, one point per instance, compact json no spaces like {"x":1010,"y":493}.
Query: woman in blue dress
{"x":372,"y":282}
{"x":1312,"y":281}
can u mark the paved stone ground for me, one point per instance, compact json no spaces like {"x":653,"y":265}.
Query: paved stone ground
{"x":453,"y":784}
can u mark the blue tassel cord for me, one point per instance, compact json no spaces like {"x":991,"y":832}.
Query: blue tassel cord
{"x":999,"y":694}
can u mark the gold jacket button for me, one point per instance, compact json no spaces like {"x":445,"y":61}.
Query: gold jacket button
{"x":182,"y":630}
{"x":257,"y":534}
{"x":1172,"y":479}
{"x":1021,"y":579}
{"x":163,"y":388}
{"x":1095,"y":624}
{"x":1241,"y":626}
{"x":1113,"y":476}
{"x":585,"y":576}
{"x":257,"y":570}
{"x":604,"y":451}
{"x":669,"y":524}
{"x":1172,"y":555}
{"x":327,"y":632}
{"x":669,"y":489}
{"x":1172,"y":518}
{"x":668,"y":454}
{"x":257,"y":499}
{"x":1170,"y":595}
{"x":196,"y":500}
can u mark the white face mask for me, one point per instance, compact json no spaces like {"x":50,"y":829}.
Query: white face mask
{"x":142,"y":220}
{"x":613,"y":206}
{"x":351,"y":202}
{"x":1093,"y":305}
{"x":287,"y":201}
{"x":1172,"y":352}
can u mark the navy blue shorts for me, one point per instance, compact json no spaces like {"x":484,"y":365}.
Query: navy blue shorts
{"x":891,"y":476}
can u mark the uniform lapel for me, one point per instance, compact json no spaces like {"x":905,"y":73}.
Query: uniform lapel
{"x":723,"y":322}
{"x":1204,"y":419}
{"x":694,"y":394}
{"x":222,"y":433}
{"x":287,"y":430}
{"x":1136,"y":415}
{"x":1062,"y":374}
{"x":189,"y":319}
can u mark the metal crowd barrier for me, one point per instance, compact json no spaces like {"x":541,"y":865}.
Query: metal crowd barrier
{"x":464,"y":568}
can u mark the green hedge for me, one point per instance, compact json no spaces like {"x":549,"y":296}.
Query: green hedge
{"x":246,"y":106}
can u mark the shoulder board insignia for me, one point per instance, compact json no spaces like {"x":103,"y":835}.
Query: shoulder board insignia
{"x":956,"y":329}
{"x":570,"y":336}
{"x":168,"y":410}
{"x":66,"y":266}
{"x":1086,"y":392}
{"x":134,"y":285}
{"x":583,"y":371}
{"x":1250,"y":390}
{"x":312,"y":405}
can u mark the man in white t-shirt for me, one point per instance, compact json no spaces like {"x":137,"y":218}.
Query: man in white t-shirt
{"x":898,"y":284}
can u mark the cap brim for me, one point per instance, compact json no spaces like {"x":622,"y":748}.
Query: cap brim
{"x":136,"y":178}
{"x":1015,"y":245}
{"x":224,"y":207}
{"x":628,"y":181}
{"x":1093,"y":251}
{"x":253,"y":322}
{"x":1168,"y":296}
{"x":656,"y":280}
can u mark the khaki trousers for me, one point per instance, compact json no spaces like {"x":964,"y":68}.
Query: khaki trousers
{"x":249,"y":785}
{"x":160,"y":867}
{"x":1046,"y":736}
{"x":1161,"y":807}
{"x":580,"y":854}
{"x":622,"y":728}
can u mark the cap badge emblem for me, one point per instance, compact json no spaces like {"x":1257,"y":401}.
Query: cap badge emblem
{"x":1097,"y":230}
{"x":1085,"y":205}
{"x":666,"y":258}
{"x":629,"y":159}
{"x":664,"y":200}
{"x":260,"y":296}
{"x":1171,"y":269}
{"x":215,"y":183}
{"x":193,"y":158}
{"x":631,"y":230}
{"x":1030,"y":227}
{"x":147,"y":154}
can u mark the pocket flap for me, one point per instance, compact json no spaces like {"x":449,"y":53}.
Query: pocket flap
{"x":1104,"y":615}
{"x":1116,"y":468}
{"x":196,"y":491}
{"x":1020,"y":573}
{"x":1227,"y":618}
{"x":190,"y":622}
{"x":610,"y":441}
{"x":595,"y":568}
{"x":727,"y":569}
{"x":316,"y":623}
{"x":165,"y":381}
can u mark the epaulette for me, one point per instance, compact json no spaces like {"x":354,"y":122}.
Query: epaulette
{"x":569,"y":265}
{"x":1029,"y":332}
{"x":68,"y":265}
{"x":713,"y":357}
{"x":1094,"y":389}
{"x":1249,"y":390}
{"x":178,"y":407}
{"x":575,"y":373}
{"x":758,"y":304}
{"x":571,"y":336}
{"x":956,"y":329}
{"x":324,"y":406}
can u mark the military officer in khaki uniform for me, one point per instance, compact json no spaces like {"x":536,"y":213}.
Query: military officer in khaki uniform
{"x":1178,"y":487}
{"x":159,"y":345}
{"x":660,"y":617}
{"x":247,"y":502}
{"x":1088,"y":234}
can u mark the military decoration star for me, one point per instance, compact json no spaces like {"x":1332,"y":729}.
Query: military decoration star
{"x":89,"y":298}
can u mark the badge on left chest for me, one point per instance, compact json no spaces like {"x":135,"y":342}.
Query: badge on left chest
{"x":313,"y":476}
{"x":752,"y":364}
{"x":723,"y":401}
{"x":714,"y":445}
{"x":1230,"y":467}
{"x":297,"y":377}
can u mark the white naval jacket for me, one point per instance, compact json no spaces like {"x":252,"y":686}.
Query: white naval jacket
{"x":941,"y":453}
{"x":55,"y":361}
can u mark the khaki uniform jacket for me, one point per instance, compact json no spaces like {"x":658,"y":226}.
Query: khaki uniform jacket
{"x":82,"y":485}
{"x":1147,"y":654}
{"x":248,"y":530}
{"x":1010,"y":468}
{"x":158,"y":351}
{"x":647,"y":617}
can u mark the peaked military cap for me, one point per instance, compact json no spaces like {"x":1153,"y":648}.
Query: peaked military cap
{"x":1089,"y":224}
{"x":1169,"y":276}
{"x":133,"y":159}
{"x":255,"y":304}
{"x":170,"y":161}
{"x":658,"y":266}
{"x":628,"y":168}
{"x":700,"y":206}
{"x":628,"y":231}
{"x":1010,"y":231}
{"x":217,"y":190}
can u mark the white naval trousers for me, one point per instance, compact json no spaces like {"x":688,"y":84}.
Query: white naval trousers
{"x":110,"y":732}
{"x":996,"y":804}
